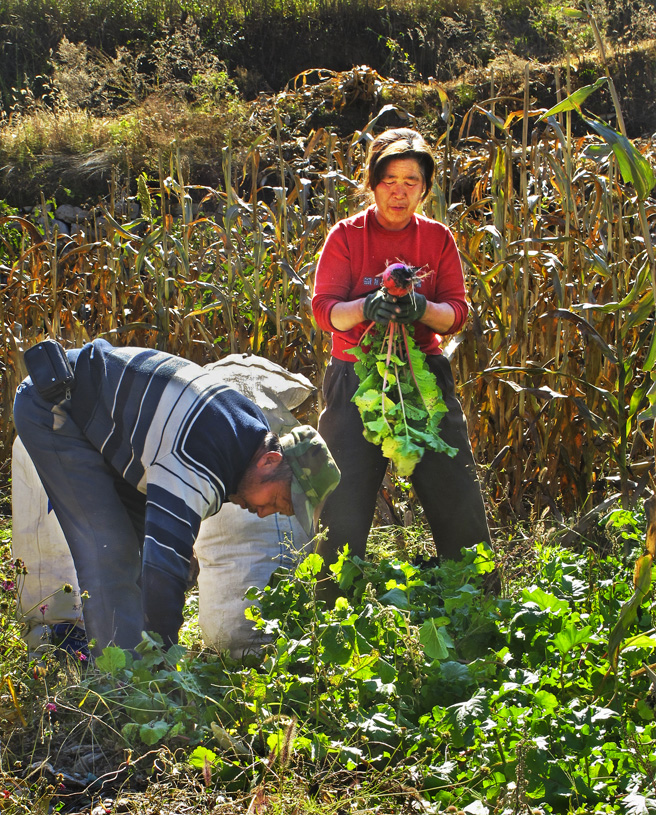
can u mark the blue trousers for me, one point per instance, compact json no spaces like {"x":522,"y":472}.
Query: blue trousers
{"x":447,"y":488}
{"x":100,"y":514}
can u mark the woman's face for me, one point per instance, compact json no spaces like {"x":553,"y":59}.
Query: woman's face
{"x":399,"y":193}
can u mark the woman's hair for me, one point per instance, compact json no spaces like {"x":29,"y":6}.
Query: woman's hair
{"x":399,"y":142}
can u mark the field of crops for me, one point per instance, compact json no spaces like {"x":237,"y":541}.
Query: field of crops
{"x":555,"y":233}
{"x":518,"y":681}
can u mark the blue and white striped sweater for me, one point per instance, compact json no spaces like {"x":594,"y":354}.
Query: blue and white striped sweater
{"x":171,"y":430}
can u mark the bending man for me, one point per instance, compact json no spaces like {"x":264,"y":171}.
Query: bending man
{"x":144,"y":448}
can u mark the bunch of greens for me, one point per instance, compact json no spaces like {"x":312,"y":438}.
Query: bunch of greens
{"x":400,"y":402}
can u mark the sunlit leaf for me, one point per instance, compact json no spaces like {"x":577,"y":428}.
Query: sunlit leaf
{"x":112,"y":660}
{"x":575,"y":13}
{"x":642,"y":582}
{"x":571,"y":637}
{"x":635,"y":168}
{"x":309,"y":566}
{"x":434,"y":640}
{"x":574,"y":100}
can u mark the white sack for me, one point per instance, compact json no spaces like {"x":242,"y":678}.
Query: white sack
{"x":237,"y":550}
{"x":274,"y":389}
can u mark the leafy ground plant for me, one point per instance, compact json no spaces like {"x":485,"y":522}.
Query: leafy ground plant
{"x":419,"y":691}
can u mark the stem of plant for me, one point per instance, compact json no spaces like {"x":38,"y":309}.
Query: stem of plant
{"x":390,"y":341}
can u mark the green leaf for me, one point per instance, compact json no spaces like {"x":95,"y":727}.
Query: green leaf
{"x":635,"y":803}
{"x":201,"y":755}
{"x":349,"y":756}
{"x":404,"y":419}
{"x":571,"y":637}
{"x":376,"y":430}
{"x":495,"y":120}
{"x":575,"y":13}
{"x":386,"y":373}
{"x":574,"y":100}
{"x":403,"y":452}
{"x":484,"y":562}
{"x":309,"y":567}
{"x":629,"y":611}
{"x":547,"y":701}
{"x":338,"y":640}
{"x":347,"y":574}
{"x":465,"y":714}
{"x":456,"y":672}
{"x":435,"y":640}
{"x":649,"y":414}
{"x":395,"y":597}
{"x":416,"y":413}
{"x":644,"y":710}
{"x":385,"y":671}
{"x":130,"y":730}
{"x":650,"y":359}
{"x":641,"y":641}
{"x":153,"y":732}
{"x":368,"y":401}
{"x":174,"y":655}
{"x":634,"y":167}
{"x":545,"y":601}
{"x":123,"y":229}
{"x":112,"y":660}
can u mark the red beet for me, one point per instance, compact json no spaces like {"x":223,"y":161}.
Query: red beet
{"x":398,"y":279}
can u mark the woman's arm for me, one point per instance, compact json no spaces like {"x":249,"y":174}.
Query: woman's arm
{"x":344,"y":316}
{"x":439,"y":317}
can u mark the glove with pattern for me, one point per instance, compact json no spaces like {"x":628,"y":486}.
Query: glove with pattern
{"x":378,"y":308}
{"x":413,"y":308}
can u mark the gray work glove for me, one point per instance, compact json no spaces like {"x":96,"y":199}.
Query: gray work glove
{"x":378,"y":308}
{"x":413,"y":308}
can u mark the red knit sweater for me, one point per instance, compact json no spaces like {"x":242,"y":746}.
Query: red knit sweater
{"x":357,"y":251}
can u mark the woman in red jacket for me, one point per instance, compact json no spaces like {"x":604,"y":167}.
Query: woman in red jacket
{"x":347,"y":297}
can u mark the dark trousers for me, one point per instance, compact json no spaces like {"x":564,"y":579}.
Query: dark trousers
{"x":447,"y":488}
{"x":101,"y":516}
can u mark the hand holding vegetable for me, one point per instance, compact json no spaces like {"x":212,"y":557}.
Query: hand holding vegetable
{"x":378,"y":308}
{"x":413,"y":308}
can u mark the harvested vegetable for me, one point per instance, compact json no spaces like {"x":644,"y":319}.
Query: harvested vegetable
{"x":399,"y":279}
{"x":399,"y":400}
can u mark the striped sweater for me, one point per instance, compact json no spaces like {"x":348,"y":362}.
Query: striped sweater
{"x":170,"y":429}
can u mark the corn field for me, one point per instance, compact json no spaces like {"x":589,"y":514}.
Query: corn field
{"x":555,"y":235}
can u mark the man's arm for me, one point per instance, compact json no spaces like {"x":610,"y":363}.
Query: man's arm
{"x":163,"y":600}
{"x":171,"y":529}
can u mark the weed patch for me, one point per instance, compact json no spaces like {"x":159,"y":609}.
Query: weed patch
{"x":418,"y":686}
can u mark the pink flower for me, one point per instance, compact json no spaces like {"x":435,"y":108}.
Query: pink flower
{"x":8,"y":585}
{"x":43,"y":609}
{"x":51,"y":706}
{"x":82,"y":657}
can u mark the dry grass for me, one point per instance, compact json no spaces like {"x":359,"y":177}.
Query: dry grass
{"x":237,"y":199}
{"x":550,"y":239}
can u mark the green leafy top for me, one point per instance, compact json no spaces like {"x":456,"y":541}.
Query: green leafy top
{"x":400,"y":402}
